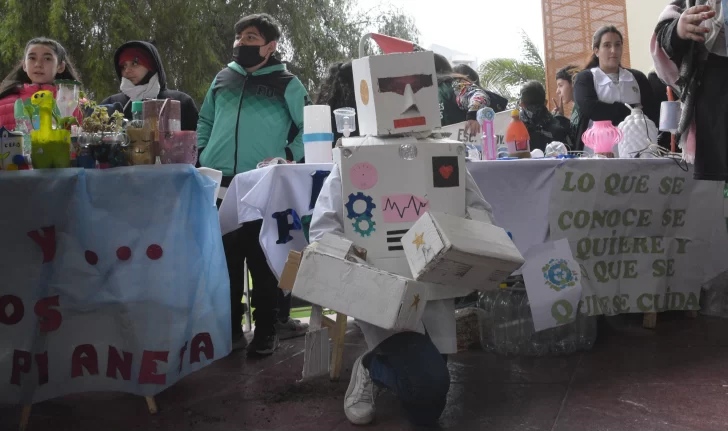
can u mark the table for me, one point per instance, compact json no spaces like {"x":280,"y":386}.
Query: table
{"x":520,"y":192}
{"x":113,"y":280}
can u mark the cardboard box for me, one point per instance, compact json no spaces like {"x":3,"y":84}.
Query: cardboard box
{"x":383,"y":194}
{"x":450,"y":250}
{"x":330,"y":244}
{"x":288,"y":277}
{"x":360,"y":291}
{"x":396,"y":93}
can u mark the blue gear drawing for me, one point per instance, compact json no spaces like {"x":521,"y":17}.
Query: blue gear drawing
{"x":370,"y":225}
{"x":353,"y":198}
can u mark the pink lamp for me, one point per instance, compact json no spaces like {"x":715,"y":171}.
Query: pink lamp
{"x":601,"y":137}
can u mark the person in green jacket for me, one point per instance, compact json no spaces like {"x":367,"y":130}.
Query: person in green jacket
{"x":252,"y":112}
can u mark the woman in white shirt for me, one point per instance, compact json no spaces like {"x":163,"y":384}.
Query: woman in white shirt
{"x":603,"y":88}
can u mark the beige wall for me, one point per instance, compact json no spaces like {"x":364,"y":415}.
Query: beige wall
{"x":641,"y":21}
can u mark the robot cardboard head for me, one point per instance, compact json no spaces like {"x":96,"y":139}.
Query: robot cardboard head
{"x":396,"y":93}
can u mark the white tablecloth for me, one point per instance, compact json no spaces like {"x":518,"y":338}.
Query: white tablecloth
{"x":518,"y":190}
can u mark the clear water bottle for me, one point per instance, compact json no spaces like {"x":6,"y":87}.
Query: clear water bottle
{"x":714,"y":297}
{"x":508,"y":329}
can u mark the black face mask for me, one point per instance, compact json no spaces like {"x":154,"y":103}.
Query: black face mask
{"x":247,"y":56}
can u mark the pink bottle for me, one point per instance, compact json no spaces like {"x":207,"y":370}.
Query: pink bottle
{"x":601,"y":137}
{"x":490,"y":148}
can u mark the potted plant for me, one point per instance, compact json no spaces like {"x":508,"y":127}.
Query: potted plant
{"x":102,"y":137}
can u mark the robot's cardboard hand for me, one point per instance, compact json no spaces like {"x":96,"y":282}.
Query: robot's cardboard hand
{"x":453,"y":251}
{"x":333,"y":274}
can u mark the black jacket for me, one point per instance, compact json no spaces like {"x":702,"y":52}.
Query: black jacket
{"x":551,"y":129}
{"x":497,"y":102}
{"x":188,"y":108}
{"x":590,"y":108}
{"x":659,"y":89}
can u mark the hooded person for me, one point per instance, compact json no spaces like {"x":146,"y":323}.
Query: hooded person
{"x":140,"y":69}
{"x":543,"y":127}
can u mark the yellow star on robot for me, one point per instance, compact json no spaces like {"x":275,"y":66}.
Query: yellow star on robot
{"x":416,"y":301}
{"x":419,"y":240}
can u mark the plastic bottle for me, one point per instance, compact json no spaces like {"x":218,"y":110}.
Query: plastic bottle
{"x":507,"y":327}
{"x":517,"y":137}
{"x":74,"y":146}
{"x":22,"y":125}
{"x":714,"y":297}
{"x":490,"y":142}
{"x":137,"y":114}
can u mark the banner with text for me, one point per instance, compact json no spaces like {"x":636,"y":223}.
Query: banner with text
{"x":458,"y":133}
{"x":112,"y":280}
{"x":646,"y":235}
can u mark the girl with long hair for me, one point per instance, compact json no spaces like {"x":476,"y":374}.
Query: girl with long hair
{"x":44,"y":61}
{"x":337,"y":91}
{"x":604,"y":88}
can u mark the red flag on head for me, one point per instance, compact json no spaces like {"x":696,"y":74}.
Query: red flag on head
{"x":391,"y":45}
{"x":388,"y":44}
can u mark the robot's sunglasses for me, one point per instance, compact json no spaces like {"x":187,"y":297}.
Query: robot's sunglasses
{"x":399,"y":83}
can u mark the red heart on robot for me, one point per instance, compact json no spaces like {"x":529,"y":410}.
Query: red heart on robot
{"x":446,"y":171}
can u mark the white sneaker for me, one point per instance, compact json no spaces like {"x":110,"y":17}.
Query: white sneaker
{"x":359,"y":400}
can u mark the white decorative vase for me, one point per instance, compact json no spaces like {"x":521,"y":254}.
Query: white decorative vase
{"x":639,"y":133}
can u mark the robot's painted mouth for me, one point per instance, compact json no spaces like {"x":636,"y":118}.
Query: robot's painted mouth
{"x":409,"y":122}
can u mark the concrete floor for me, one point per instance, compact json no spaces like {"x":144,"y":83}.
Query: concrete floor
{"x":674,"y":378}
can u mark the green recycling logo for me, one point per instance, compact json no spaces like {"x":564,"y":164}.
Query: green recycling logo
{"x":558,"y":275}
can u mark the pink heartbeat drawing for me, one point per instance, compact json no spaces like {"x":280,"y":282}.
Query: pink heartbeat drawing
{"x":403,"y":208}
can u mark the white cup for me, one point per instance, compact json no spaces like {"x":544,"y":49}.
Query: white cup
{"x":670,"y":113}
{"x":317,"y":136}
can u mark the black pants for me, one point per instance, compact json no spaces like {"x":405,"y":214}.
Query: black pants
{"x":241,"y":245}
{"x":284,"y":305}
{"x":711,"y":127}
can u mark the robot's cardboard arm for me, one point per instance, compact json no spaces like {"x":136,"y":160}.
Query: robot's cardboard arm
{"x":330,"y":244}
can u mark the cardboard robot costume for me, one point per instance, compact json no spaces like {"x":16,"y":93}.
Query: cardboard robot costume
{"x":383,"y":181}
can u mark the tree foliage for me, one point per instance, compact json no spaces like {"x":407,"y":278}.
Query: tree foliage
{"x":505,"y":75}
{"x":194,"y":37}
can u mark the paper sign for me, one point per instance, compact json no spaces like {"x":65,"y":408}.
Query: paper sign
{"x":457,"y":133}
{"x":363,"y":176}
{"x":646,"y":235}
{"x":11,"y":145}
{"x":553,"y":284}
{"x":403,"y":208}
{"x":445,"y":171}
